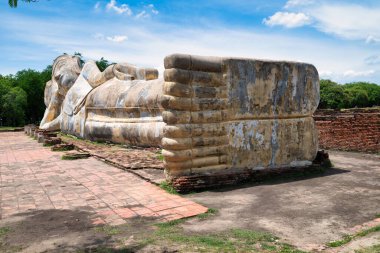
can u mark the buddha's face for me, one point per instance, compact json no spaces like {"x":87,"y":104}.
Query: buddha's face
{"x":66,"y":70}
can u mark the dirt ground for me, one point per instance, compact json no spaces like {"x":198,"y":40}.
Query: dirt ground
{"x":305,"y":211}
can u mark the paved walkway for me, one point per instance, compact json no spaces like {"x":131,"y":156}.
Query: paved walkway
{"x":35,"y":178}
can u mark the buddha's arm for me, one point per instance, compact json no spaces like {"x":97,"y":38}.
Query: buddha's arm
{"x":122,"y":71}
{"x":94,"y":76}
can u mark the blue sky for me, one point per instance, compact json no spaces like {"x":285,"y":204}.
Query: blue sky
{"x":341,"y":38}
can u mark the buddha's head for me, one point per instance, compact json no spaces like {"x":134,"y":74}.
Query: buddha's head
{"x":66,"y":69}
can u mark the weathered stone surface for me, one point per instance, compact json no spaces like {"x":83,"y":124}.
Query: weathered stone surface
{"x":62,"y":147}
{"x":237,"y":115}
{"x":210,"y":114}
{"x":52,"y":141}
{"x":29,"y":128}
{"x":74,"y":155}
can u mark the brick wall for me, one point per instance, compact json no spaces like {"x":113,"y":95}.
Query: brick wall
{"x":350,"y":129}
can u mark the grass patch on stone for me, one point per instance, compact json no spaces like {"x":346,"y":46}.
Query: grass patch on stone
{"x":168,"y":187}
{"x":68,"y":158}
{"x":75,"y":156}
{"x":348,"y":238}
{"x":62,"y":148}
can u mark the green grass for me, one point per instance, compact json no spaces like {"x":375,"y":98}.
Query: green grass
{"x":169,"y":224}
{"x":348,"y":238}
{"x":233,"y":240}
{"x":160,"y":156}
{"x":168,"y":187}
{"x":372,"y":249}
{"x":253,"y":236}
{"x":108,"y":230}
{"x":4,"y":231}
{"x":7,"y":128}
{"x":210,"y":212}
{"x":69,"y":136}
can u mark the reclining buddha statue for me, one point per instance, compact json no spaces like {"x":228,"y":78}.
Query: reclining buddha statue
{"x":213,"y":116}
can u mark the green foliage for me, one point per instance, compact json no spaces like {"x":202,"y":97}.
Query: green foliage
{"x":102,"y":64}
{"x":168,"y":187}
{"x":33,"y":83}
{"x":210,"y":212}
{"x":4,"y":231}
{"x":160,"y":156}
{"x":13,"y":104}
{"x":234,"y":240}
{"x":108,"y":230}
{"x":13,"y":3}
{"x":358,"y":94}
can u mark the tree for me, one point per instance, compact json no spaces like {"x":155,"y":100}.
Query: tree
{"x":358,"y":94}
{"x":371,"y":90}
{"x":332,"y":95}
{"x":33,"y":83}
{"x":102,"y":64}
{"x":5,"y":87}
{"x":13,"y":3}
{"x":14,"y":103}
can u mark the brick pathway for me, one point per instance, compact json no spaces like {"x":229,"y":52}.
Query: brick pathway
{"x":35,"y":178}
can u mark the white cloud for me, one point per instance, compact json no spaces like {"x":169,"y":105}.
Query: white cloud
{"x":148,"y":10}
{"x":117,"y":38}
{"x":97,"y":6}
{"x":124,"y":8}
{"x":348,"y":21}
{"x":325,"y":73}
{"x":370,"y":40}
{"x":353,"y":73}
{"x":344,"y":20}
{"x":142,"y":14}
{"x":287,"y":19}
{"x":372,"y":60}
{"x":294,"y":3}
{"x":152,"y":9}
{"x":144,"y":38}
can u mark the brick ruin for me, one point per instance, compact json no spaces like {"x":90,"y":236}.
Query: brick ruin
{"x":349,"y":129}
